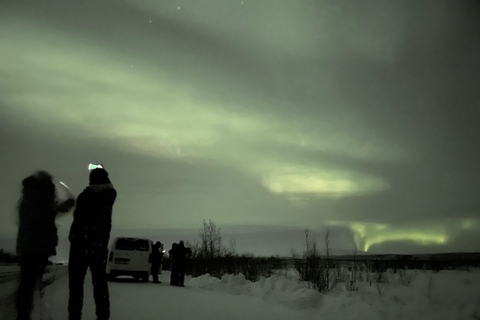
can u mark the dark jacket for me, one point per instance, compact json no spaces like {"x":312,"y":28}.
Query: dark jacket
{"x":157,"y":255}
{"x":92,"y":218}
{"x":173,"y":253}
{"x":37,"y":210}
{"x":181,"y":255}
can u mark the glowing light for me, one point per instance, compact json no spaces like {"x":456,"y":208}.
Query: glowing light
{"x":368,"y":234}
{"x":296,"y":181}
{"x":310,"y":185}
{"x":414,"y":236}
{"x":92,"y":166}
{"x":63,"y":184}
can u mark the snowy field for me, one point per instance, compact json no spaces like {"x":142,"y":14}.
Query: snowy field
{"x":417,"y":295}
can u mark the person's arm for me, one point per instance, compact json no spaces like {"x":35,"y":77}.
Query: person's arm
{"x":65,"y":200}
{"x":65,"y":206}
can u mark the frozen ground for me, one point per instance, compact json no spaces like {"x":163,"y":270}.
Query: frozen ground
{"x":444,"y":295}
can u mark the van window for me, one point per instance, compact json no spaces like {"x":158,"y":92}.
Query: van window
{"x":141,"y":245}
{"x":132,"y":244}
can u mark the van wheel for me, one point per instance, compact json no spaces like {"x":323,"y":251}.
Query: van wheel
{"x":145,"y":276}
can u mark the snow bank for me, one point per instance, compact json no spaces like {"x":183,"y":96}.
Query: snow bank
{"x":275,"y":288}
{"x":426,"y":295}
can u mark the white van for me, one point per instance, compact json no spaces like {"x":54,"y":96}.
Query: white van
{"x":130,"y":257}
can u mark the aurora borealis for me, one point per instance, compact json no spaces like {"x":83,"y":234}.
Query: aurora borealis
{"x":361,"y":117}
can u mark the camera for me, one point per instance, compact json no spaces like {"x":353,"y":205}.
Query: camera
{"x":92,"y":166}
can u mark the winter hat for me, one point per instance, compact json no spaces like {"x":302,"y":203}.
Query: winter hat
{"x":99,"y":176}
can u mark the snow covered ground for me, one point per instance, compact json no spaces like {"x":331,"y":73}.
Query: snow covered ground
{"x":418,"y":295}
{"x":415,"y":295}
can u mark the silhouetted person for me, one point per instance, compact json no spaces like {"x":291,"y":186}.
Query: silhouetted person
{"x":37,"y":233}
{"x":173,"y":253}
{"x":157,"y":256}
{"x":182,"y":254}
{"x":89,"y":235}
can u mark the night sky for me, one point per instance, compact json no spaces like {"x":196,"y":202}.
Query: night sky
{"x":266,"y":116}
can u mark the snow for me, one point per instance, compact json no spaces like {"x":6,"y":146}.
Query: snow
{"x":416,"y":295}
{"x":443,"y":295}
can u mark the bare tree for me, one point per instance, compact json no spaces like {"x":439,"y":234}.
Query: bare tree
{"x":327,"y":258}
{"x":210,"y":240}
{"x":352,"y":282}
{"x":307,"y":241}
{"x":312,"y":269}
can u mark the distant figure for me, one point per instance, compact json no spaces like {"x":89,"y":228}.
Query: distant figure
{"x":182,"y":254}
{"x":173,"y":253}
{"x":89,"y":235}
{"x":157,"y":257}
{"x":37,"y":235}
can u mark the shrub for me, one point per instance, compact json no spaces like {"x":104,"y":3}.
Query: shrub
{"x":251,"y":267}
{"x":312,"y":268}
{"x":381,"y":282}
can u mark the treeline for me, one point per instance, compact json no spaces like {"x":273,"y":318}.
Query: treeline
{"x":251,"y":267}
{"x":321,"y":271}
{"x":209,"y":255}
{"x":436,"y":262}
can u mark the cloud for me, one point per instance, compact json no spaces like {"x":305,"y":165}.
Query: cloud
{"x":262,"y":113}
{"x":98,"y":94}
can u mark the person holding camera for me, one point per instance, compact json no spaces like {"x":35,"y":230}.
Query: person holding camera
{"x":89,"y":235}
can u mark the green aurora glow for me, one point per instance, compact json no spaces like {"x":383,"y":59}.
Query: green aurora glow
{"x":265,"y":90}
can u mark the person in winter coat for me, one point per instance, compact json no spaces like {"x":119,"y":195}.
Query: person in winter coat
{"x":89,"y":235}
{"x":182,"y":254}
{"x":173,"y":254}
{"x":157,"y":256}
{"x":37,"y":235}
